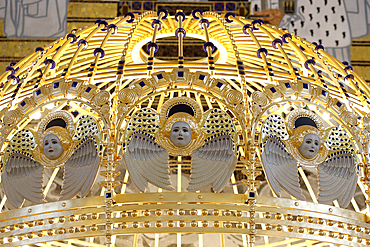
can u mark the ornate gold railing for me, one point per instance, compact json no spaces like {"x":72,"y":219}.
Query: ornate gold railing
{"x":174,"y":212}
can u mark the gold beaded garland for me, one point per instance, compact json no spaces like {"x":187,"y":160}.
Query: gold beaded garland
{"x":94,"y":216}
{"x":93,"y":228}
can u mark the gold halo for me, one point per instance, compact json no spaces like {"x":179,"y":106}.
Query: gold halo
{"x":295,"y":141}
{"x":66,"y":116}
{"x":298,"y":113}
{"x":65,"y":138}
{"x":166,"y":107}
{"x":163,"y":135}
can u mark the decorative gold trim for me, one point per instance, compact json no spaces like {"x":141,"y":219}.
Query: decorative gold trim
{"x":295,"y":141}
{"x":66,"y":116}
{"x":57,"y":220}
{"x":68,"y":145}
{"x":64,"y":134}
{"x":297,"y":135}
{"x":298,"y":113}
{"x":166,"y":107}
{"x":197,"y":135}
{"x":248,"y":77}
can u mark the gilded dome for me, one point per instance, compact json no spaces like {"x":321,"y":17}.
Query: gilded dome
{"x":249,"y":70}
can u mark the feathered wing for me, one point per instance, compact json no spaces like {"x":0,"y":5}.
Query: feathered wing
{"x":280,"y":168}
{"x":337,"y":174}
{"x":213,"y":163}
{"x":22,"y":177}
{"x":146,"y":161}
{"x":81,"y":169}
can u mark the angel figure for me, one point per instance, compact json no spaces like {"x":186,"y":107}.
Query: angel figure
{"x":304,"y":141}
{"x":52,"y":146}
{"x":151,"y":137}
{"x":180,"y":133}
{"x":57,"y":141}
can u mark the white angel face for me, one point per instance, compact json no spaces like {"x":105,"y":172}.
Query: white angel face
{"x":52,"y":147}
{"x":310,"y":146}
{"x":180,"y":134}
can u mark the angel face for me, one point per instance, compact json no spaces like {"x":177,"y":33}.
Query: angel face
{"x":52,"y":147}
{"x":310,"y":146}
{"x":180,"y":134}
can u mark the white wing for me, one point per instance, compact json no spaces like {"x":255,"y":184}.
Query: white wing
{"x":80,"y":170}
{"x":146,"y":161}
{"x":337,"y":178}
{"x":280,"y":168}
{"x":213,"y":163}
{"x":22,"y":179}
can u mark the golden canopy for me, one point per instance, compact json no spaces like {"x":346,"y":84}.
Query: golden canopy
{"x":249,"y":69}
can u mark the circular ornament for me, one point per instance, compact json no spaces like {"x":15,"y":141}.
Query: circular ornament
{"x":256,"y":109}
{"x":127,"y":95}
{"x":11,"y":117}
{"x":259,"y":98}
{"x":349,"y":118}
{"x":240,"y":109}
{"x":101,"y":98}
{"x":366,"y":122}
{"x":121,"y":109}
{"x":105,"y":110}
{"x":234,"y":97}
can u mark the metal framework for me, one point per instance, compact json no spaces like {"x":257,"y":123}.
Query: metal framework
{"x":257,"y":69}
